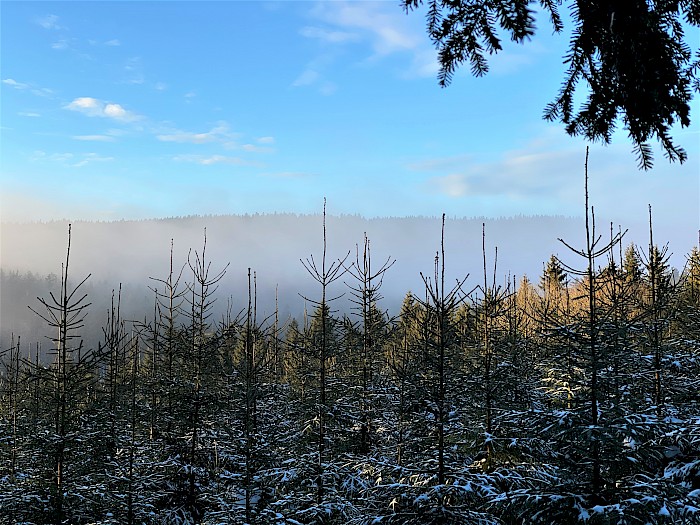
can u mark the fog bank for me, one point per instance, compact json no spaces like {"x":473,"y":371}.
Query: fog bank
{"x":273,"y":245}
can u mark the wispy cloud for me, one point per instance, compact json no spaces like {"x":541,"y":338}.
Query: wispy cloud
{"x":72,"y":160}
{"x":516,"y":173}
{"x":265,"y":140}
{"x":549,"y":178}
{"x":94,"y":138}
{"x":12,"y":82}
{"x":39,"y":156}
{"x":32,"y":114}
{"x":328,"y":35}
{"x":306,"y":78}
{"x":386,"y":27}
{"x":38,"y":91}
{"x":89,"y":158}
{"x":60,"y":45}
{"x":219,"y":133}
{"x":312,"y":76}
{"x":390,"y":32}
{"x":542,"y":174}
{"x":93,"y":107}
{"x":257,"y":149}
{"x":109,"y":43}
{"x":115,"y":132}
{"x":134,"y":71}
{"x":288,"y":174}
{"x":49,"y":22}
{"x":424,"y":64}
{"x":209,"y":160}
{"x":379,"y":25}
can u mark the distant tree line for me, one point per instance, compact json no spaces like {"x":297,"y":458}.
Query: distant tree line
{"x":574,"y":399}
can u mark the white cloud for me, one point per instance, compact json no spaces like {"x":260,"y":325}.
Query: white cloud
{"x":424,"y":64}
{"x":618,"y":190}
{"x":113,"y":132}
{"x":39,"y":92}
{"x":71,"y":160}
{"x":516,"y":173}
{"x":134,"y":70}
{"x":390,"y":32}
{"x":327,"y":35}
{"x":546,"y":175}
{"x":266,"y":140}
{"x":60,"y":44}
{"x":42,"y":92}
{"x":185,"y":136}
{"x":28,"y":114}
{"x":114,"y":42}
{"x":86,"y":105}
{"x":160,"y":86}
{"x":115,"y":111}
{"x":219,"y":133}
{"x":12,"y":82}
{"x":256,"y":149}
{"x":94,"y":138}
{"x":311,"y":77}
{"x":307,"y":77}
{"x":209,"y":160}
{"x":133,"y":64}
{"x":93,"y":107}
{"x":39,"y":155}
{"x":60,"y":157}
{"x":49,"y":22}
{"x":386,"y":27}
{"x":221,"y":159}
{"x":89,"y":158}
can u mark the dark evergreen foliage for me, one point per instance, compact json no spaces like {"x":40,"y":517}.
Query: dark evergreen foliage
{"x":573,"y":403}
{"x":632,"y":57}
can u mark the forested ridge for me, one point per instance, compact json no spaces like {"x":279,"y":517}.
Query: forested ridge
{"x":484,"y":401}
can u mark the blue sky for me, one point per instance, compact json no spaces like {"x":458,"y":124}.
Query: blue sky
{"x":116,"y":110}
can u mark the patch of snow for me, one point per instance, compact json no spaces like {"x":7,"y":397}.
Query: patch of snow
{"x":583,"y":514}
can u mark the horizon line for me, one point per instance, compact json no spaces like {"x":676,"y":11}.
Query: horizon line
{"x":295,"y":214}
